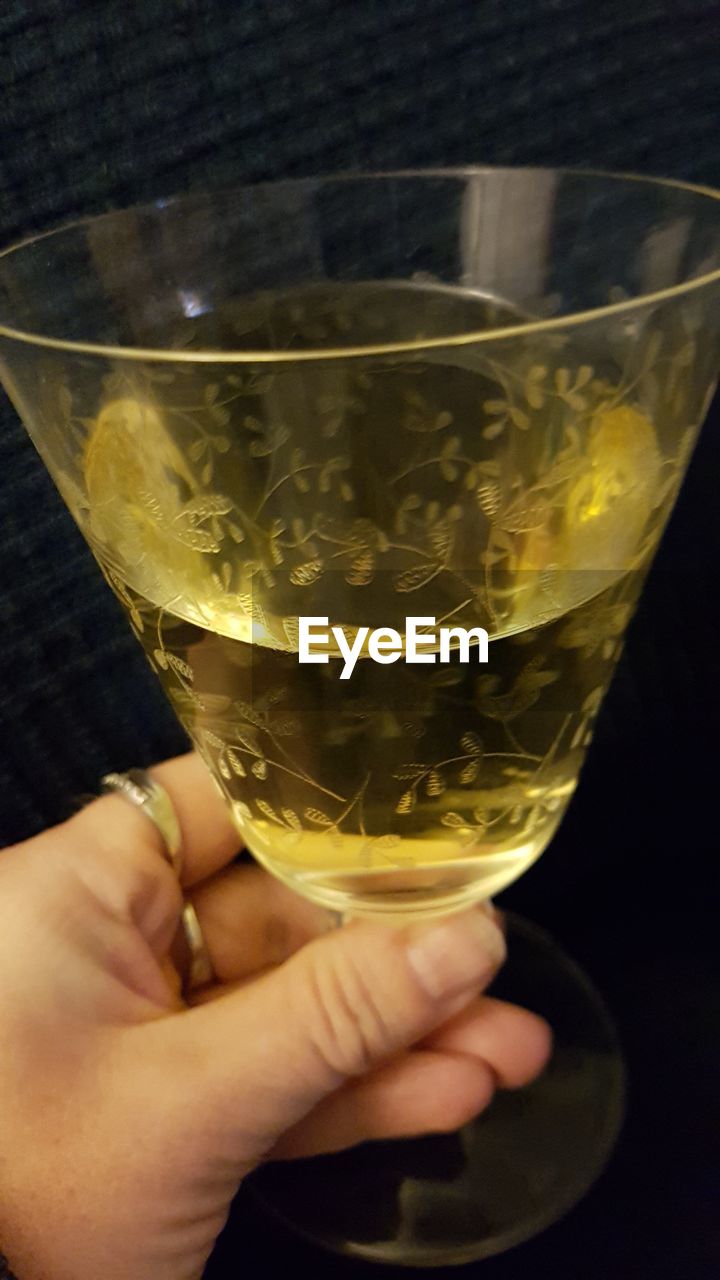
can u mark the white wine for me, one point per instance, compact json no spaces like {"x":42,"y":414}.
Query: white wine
{"x":406,"y":787}
{"x":522,"y":492}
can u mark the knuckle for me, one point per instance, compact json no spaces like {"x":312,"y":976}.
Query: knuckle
{"x":349,"y":1028}
{"x":123,"y":869}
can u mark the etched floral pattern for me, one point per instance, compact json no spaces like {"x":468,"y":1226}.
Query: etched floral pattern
{"x":522,"y":487}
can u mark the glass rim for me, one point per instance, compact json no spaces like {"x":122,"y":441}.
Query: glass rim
{"x":168,"y":355}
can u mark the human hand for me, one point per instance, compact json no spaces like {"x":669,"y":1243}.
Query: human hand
{"x":127,"y":1120}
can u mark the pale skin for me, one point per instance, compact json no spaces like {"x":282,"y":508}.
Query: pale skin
{"x":128,"y":1120}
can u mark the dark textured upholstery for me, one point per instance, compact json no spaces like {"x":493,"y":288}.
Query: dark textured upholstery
{"x":109,"y":102}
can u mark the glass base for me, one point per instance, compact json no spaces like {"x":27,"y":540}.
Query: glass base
{"x":529,"y":1158}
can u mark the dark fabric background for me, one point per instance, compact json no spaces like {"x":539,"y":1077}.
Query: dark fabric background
{"x":106,"y":103}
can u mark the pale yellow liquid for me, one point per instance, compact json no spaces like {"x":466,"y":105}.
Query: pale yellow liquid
{"x":521,"y":490}
{"x":404,"y":787}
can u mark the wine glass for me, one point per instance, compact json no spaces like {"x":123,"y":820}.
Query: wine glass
{"x":467,"y":397}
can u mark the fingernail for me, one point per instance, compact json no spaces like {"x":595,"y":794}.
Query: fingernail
{"x":457,"y":954}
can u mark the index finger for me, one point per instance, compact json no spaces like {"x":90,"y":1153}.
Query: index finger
{"x":209,"y":839}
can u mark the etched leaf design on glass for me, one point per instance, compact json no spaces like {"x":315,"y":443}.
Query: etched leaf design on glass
{"x":472,"y":485}
{"x":417,"y":577}
{"x":534,"y":389}
{"x":522,"y":694}
{"x":304,"y":575}
{"x":406,"y":803}
{"x":421,"y":417}
{"x":236,"y":763}
{"x":196,"y":524}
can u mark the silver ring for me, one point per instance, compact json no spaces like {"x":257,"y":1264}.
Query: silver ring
{"x":200,"y":970}
{"x":141,"y":790}
{"x":146,"y":794}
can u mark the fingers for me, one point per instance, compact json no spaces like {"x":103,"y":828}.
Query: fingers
{"x":251,"y":922}
{"x":209,"y":840}
{"x":437,"y":1088}
{"x":342,"y":1006}
{"x":422,"y":1092}
{"x":119,"y":854}
{"x":515,"y":1043}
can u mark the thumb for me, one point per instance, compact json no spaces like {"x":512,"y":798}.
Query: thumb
{"x":338,"y":1008}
